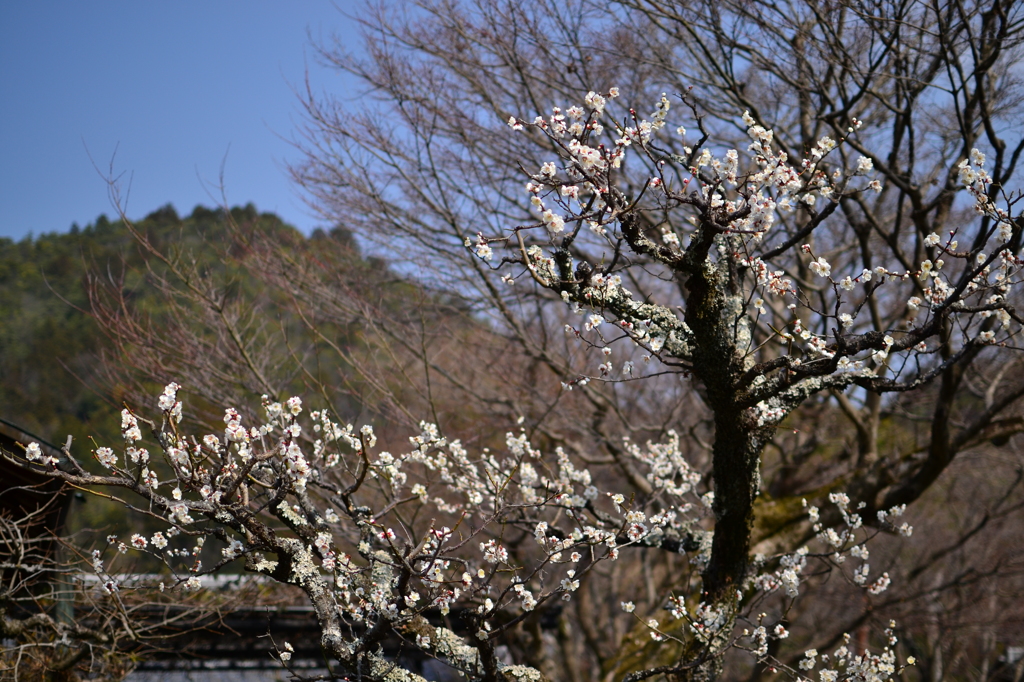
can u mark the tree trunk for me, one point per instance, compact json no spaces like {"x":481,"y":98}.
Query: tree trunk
{"x":737,"y":453}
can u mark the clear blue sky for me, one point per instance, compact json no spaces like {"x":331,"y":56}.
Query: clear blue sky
{"x":173,"y":88}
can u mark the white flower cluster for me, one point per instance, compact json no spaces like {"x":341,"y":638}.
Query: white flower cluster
{"x":34,"y":453}
{"x":838,"y":544}
{"x":889,"y":518}
{"x":168,"y":402}
{"x":394,"y":576}
{"x":106,"y":457}
{"x":130,"y":427}
{"x":578,"y":188}
{"x":667,"y":469}
{"x":480,"y":247}
{"x":200,"y":490}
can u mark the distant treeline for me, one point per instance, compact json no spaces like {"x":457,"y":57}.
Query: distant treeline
{"x":50,"y":383}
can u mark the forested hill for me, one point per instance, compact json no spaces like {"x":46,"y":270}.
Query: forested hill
{"x":50,"y":379}
{"x":231,"y":305}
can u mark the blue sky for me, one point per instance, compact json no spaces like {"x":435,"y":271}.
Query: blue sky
{"x":175,"y":89}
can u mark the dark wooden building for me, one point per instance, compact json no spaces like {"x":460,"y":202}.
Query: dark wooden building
{"x":36,"y":503}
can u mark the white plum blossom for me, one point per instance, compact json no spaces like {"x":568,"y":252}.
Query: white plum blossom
{"x":130,"y":427}
{"x":554,"y":222}
{"x":168,"y":397}
{"x":821,"y":267}
{"x":106,"y":457}
{"x":168,"y":402}
{"x":234,"y":549}
{"x":596,"y":101}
